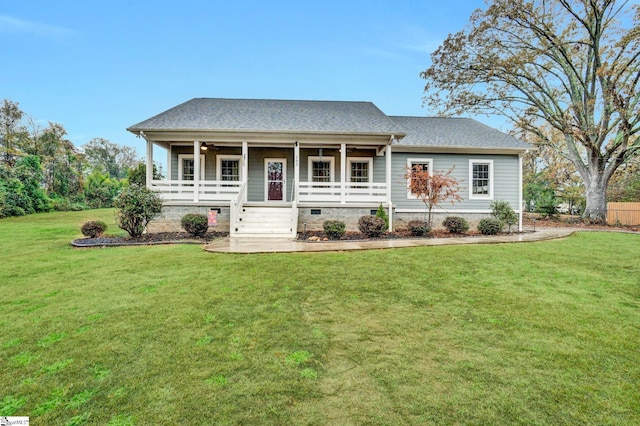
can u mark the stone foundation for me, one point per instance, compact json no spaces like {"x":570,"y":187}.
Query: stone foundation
{"x":169,"y":219}
{"x":400,"y":220}
{"x":315,"y":217}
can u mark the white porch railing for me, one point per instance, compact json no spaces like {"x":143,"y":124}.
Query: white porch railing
{"x":208,"y":190}
{"x":236,"y":208}
{"x":308,"y":192}
{"x":354,"y":192}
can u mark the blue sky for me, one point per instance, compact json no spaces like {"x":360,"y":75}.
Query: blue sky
{"x":99,"y":67}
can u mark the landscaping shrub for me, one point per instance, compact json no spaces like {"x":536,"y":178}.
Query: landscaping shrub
{"x":383,"y":215}
{"x":455,"y":224}
{"x":136,"y":205}
{"x":93,"y":228}
{"x":418,"y":228}
{"x":490,"y":226}
{"x":195,"y":224}
{"x":333,"y":229}
{"x":502,"y":211}
{"x":372,"y":226}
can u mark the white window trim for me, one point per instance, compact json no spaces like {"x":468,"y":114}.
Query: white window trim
{"x":219,"y":159}
{"x":410,"y":163}
{"x":182,"y":157}
{"x":360,"y":160}
{"x":473,"y":196}
{"x":332,"y":167}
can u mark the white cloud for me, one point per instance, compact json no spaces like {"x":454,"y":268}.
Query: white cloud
{"x":9,"y":24}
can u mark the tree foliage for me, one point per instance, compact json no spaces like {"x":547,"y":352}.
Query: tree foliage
{"x":547,"y":169}
{"x":570,"y":64}
{"x":625,"y":183}
{"x":432,"y":189}
{"x":110,"y":158}
{"x":41,"y":169}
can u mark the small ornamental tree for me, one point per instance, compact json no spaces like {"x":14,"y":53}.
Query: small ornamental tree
{"x":432,"y":188}
{"x":136,"y":206}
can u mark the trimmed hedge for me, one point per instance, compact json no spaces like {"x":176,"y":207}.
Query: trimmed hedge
{"x":372,"y":226}
{"x":93,"y":228}
{"x":334,"y":229}
{"x":456,"y":224}
{"x":418,"y":228}
{"x":195,"y":224}
{"x":490,"y":226}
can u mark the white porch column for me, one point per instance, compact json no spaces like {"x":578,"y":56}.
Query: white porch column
{"x":168,"y":171}
{"x":296,"y":171}
{"x":149,"y":165}
{"x":196,"y":171}
{"x":343,"y":171}
{"x":388,"y":181}
{"x":245,"y":163}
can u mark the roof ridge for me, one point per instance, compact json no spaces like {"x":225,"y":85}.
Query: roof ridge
{"x":279,"y":100}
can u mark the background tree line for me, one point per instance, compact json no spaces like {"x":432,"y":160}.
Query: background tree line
{"x":41,"y":170}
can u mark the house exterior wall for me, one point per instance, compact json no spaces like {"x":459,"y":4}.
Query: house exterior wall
{"x":210,"y":162}
{"x":505,"y":186}
{"x":505,"y":181}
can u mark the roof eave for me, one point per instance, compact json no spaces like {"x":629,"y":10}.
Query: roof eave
{"x":461,"y":149}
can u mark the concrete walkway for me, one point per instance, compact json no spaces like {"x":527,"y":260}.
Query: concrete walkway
{"x":264,"y":245}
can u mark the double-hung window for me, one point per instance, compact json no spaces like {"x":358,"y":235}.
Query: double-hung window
{"x":186,"y":167}
{"x":228,"y":168}
{"x":481,"y":178}
{"x":321,"y":169}
{"x":417,"y":164}
{"x":360,"y":170}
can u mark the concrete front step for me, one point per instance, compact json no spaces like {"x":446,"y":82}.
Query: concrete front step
{"x":264,"y":222}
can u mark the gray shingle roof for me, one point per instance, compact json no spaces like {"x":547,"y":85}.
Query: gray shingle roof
{"x":265,"y":115}
{"x":454,"y":133}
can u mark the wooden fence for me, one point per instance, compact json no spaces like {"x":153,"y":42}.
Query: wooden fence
{"x":623,"y":213}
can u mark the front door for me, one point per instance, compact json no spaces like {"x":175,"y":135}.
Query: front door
{"x":275,"y":173}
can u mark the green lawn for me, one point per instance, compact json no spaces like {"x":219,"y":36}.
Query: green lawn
{"x":537,"y":333}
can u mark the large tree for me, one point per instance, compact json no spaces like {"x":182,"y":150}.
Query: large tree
{"x":572,"y":64}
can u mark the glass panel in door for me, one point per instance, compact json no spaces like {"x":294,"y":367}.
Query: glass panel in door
{"x":275,"y":180}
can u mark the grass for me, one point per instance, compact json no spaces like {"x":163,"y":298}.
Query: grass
{"x":537,"y":333}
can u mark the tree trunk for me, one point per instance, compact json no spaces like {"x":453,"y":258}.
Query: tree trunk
{"x":596,"y":208}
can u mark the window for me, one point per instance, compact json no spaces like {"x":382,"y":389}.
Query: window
{"x":321,"y":169}
{"x":186,"y":167}
{"x":228,"y":167}
{"x":360,"y":169}
{"x":424,"y":164}
{"x":481,"y":178}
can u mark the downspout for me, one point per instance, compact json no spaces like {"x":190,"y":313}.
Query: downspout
{"x":520,"y":199}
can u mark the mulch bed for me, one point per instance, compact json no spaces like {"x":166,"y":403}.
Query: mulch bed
{"x":148,"y":239}
{"x":315,"y":236}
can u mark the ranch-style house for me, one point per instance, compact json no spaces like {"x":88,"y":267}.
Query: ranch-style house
{"x":260,"y":167}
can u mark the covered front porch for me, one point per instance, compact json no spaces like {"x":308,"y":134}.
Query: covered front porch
{"x":291,"y":175}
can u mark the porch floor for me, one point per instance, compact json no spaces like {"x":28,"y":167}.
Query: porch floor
{"x":277,"y":245}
